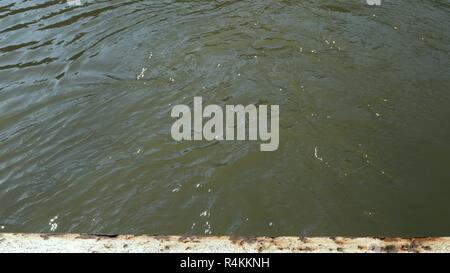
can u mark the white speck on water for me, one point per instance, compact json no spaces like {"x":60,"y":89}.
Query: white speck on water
{"x":204,"y":214}
{"x":377,"y":114}
{"x":239,"y":74}
{"x":139,"y":151}
{"x":256,"y":57}
{"x":53,"y":225}
{"x":197,"y":186}
{"x":141,"y":75}
{"x":316,"y":152}
{"x":2,"y":227}
{"x":171,"y":79}
{"x":176,"y":190}
{"x":270,"y":224}
{"x":208,"y":228}
{"x":281,"y":89}
{"x":151,"y":55}
{"x":218,"y":65}
{"x":209,"y":190}
{"x":193,"y":225}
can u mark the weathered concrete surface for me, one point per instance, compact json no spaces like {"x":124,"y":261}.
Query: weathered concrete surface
{"x":56,"y":243}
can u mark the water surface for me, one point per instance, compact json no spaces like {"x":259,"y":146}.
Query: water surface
{"x":86,"y":93}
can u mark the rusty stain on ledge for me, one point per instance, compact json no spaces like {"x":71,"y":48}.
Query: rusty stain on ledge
{"x":56,"y":243}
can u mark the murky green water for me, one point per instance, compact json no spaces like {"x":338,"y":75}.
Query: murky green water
{"x":364,"y":94}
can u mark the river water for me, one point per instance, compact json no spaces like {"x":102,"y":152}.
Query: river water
{"x":86,"y":94}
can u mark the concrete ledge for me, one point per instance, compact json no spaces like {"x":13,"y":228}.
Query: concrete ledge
{"x":57,"y":243}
